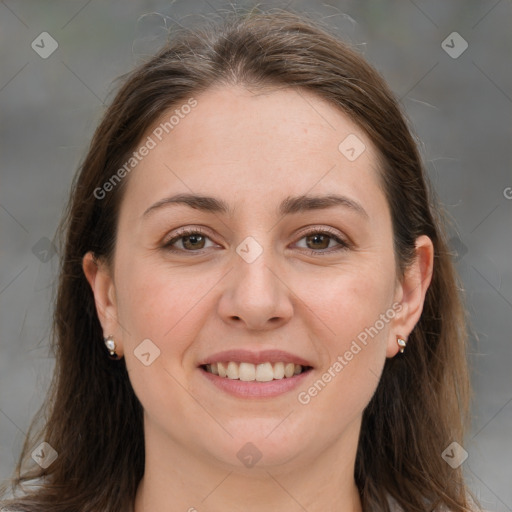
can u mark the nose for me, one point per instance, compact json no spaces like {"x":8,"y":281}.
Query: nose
{"x":256,"y":295}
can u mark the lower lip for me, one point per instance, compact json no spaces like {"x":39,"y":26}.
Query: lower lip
{"x":254,"y":389}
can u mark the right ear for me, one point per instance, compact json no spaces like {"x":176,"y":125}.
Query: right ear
{"x":99,"y":277}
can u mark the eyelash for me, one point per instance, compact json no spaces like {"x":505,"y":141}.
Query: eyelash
{"x":344,"y":245}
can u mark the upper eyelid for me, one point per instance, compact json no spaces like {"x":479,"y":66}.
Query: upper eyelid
{"x":184,"y":231}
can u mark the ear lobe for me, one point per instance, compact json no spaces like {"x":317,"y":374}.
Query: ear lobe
{"x":411,"y":292}
{"x":99,"y":277}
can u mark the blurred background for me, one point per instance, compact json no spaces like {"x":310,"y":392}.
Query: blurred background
{"x":449,"y":63}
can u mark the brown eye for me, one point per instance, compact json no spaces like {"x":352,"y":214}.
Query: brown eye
{"x":322,"y":242}
{"x":192,"y":242}
{"x":188,"y":241}
{"x":318,"y":241}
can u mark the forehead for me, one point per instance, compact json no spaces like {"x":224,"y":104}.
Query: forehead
{"x":237,"y":144}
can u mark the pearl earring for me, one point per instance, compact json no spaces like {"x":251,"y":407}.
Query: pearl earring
{"x":401,"y":343}
{"x":111,"y":347}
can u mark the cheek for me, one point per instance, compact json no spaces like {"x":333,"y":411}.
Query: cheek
{"x":164,"y":307}
{"x":144,"y":302}
{"x":355,"y":309}
{"x":153,"y":299}
{"x":349,"y":301}
{"x":167,"y":306}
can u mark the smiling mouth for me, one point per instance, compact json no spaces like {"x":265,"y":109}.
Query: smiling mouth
{"x":248,"y":372}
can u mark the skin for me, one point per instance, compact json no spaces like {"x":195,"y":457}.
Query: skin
{"x":253,"y":150}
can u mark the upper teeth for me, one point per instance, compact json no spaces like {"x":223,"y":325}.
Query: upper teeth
{"x":263,"y":372}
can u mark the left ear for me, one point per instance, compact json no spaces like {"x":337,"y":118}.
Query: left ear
{"x":410,"y":293}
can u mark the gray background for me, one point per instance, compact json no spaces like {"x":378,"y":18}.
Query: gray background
{"x":460,"y":109}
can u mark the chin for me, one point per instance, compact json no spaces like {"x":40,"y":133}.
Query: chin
{"x":261,"y":443}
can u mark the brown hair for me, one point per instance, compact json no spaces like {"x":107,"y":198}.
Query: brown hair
{"x":94,"y":419}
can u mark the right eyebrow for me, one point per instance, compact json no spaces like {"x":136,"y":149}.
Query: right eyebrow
{"x":204,"y":203}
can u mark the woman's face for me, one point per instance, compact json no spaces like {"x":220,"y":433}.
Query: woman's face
{"x":288,"y":260}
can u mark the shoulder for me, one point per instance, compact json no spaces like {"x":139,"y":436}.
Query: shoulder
{"x":395,"y":507}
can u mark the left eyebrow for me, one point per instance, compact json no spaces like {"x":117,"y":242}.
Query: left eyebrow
{"x":304,"y":203}
{"x":290,"y":205}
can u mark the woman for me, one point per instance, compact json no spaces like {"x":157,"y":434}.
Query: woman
{"x":257,"y":309}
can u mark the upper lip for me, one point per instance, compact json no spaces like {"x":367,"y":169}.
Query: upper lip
{"x":254,"y":357}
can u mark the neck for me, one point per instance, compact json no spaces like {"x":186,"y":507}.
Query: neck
{"x":177,"y":480}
